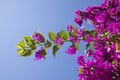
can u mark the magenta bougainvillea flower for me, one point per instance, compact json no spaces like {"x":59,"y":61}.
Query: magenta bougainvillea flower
{"x":80,"y":61}
{"x":70,"y":28}
{"x":71,"y":50}
{"x":88,"y":38}
{"x":78,"y":19}
{"x":105,"y":62}
{"x":79,"y":32}
{"x":36,"y":37}
{"x":58,"y":41}
{"x":38,"y":55}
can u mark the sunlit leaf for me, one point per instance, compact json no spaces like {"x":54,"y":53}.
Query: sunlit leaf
{"x":65,"y":35}
{"x":62,"y":34}
{"x":20,"y":44}
{"x":19,"y":51}
{"x":29,"y":42}
{"x":51,"y":36}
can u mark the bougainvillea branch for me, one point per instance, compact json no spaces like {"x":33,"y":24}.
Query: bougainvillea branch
{"x":102,"y":43}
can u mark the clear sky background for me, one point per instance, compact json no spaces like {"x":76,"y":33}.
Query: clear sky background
{"x":20,"y":18}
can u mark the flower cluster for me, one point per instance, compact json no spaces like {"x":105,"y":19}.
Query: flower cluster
{"x":105,"y":63}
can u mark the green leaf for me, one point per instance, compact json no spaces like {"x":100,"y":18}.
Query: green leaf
{"x":72,"y":33}
{"x":43,"y":53}
{"x":33,"y":47}
{"x":103,"y":34}
{"x":29,"y":42}
{"x":21,"y":44}
{"x":55,"y":49}
{"x":19,"y":51}
{"x":117,"y":46}
{"x":48,"y":44}
{"x":26,"y":53}
{"x":92,"y":46}
{"x":62,"y":35}
{"x":87,"y":46}
{"x":42,"y":38}
{"x":51,"y":36}
{"x":65,"y":35}
{"x":114,"y":38}
{"x":93,"y":32}
{"x":83,"y":37}
{"x":27,"y":38}
{"x":26,"y":46}
{"x":76,"y":45}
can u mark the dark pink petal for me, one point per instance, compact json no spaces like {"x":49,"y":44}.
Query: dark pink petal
{"x":71,"y":50}
{"x":38,"y":55}
{"x":58,"y":41}
{"x":36,"y":37}
{"x":80,"y":61}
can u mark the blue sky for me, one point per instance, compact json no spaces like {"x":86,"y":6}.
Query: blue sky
{"x":19,"y":18}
